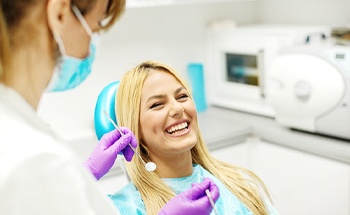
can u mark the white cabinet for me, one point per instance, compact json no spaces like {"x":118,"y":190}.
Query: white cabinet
{"x":300,"y":183}
{"x":238,"y":154}
{"x":151,"y":3}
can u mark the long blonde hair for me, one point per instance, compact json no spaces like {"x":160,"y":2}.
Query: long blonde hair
{"x":244,"y":184}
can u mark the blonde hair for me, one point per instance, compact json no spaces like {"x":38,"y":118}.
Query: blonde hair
{"x":244,"y":184}
{"x":14,"y":12}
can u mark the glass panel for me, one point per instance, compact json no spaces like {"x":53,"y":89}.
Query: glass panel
{"x":242,"y":69}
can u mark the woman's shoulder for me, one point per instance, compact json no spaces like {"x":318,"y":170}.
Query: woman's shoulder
{"x":128,"y":191}
{"x":128,"y":200}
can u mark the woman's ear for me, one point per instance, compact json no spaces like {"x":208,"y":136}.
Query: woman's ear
{"x":57,"y":12}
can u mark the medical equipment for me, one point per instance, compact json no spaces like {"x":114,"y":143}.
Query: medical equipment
{"x":150,"y":166}
{"x":210,"y":199}
{"x":105,"y":102}
{"x":238,"y":61}
{"x":309,"y":88}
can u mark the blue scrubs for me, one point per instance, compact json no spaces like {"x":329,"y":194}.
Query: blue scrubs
{"x":128,"y":199}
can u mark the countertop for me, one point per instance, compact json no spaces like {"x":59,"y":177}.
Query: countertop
{"x":219,"y":130}
{"x":268,"y":130}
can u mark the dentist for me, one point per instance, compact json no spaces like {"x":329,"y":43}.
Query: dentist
{"x":49,"y":45}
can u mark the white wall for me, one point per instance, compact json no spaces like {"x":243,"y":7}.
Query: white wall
{"x":174,"y":35}
{"x":171,"y":34}
{"x":313,"y":12}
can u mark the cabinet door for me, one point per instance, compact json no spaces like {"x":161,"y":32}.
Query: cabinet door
{"x":302,"y":183}
{"x":237,"y":154}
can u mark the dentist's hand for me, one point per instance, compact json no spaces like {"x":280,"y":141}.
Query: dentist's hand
{"x":110,"y":145}
{"x":193,"y":200}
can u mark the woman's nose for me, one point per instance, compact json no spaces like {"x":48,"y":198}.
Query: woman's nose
{"x":176,"y":110}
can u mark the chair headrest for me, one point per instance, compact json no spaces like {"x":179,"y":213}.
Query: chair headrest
{"x":105,"y":102}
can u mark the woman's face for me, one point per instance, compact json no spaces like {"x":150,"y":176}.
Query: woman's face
{"x":168,"y":117}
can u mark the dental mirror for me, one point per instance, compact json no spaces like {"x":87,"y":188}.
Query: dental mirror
{"x":150,"y":166}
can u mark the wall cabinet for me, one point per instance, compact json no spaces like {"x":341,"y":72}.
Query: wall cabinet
{"x":300,"y":183}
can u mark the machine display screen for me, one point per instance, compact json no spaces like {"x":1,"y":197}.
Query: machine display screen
{"x":242,"y":69}
{"x":339,"y":56}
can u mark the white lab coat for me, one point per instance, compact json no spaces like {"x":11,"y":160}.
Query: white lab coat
{"x":39,"y":174}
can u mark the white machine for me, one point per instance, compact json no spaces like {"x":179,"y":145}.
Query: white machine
{"x":308,"y":88}
{"x":238,"y":59}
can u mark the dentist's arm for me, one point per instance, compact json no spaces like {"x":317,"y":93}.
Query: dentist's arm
{"x":110,"y":145}
{"x":193,"y":200}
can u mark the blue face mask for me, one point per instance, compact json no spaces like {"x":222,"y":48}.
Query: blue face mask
{"x":71,"y":71}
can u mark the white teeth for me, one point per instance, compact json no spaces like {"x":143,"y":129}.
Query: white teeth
{"x":177,"y":127}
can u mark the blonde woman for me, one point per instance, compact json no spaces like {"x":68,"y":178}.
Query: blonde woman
{"x":155,"y":103}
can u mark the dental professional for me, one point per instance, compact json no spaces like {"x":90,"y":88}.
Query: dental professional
{"x":49,"y":45}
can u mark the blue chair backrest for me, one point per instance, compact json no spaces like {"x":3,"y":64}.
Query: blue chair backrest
{"x":105,"y":102}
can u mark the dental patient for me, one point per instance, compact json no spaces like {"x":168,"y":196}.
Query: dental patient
{"x":157,"y":106}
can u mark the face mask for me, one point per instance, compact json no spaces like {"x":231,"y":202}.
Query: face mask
{"x":71,"y":71}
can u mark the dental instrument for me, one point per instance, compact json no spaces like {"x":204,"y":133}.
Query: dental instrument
{"x":210,"y":199}
{"x":150,"y":166}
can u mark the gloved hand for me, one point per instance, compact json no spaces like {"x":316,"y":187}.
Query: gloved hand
{"x":110,"y":145}
{"x":193,"y":200}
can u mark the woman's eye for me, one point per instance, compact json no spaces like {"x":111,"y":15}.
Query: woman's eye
{"x":183,"y":96}
{"x":155,"y":105}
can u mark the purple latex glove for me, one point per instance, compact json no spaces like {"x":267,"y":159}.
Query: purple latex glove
{"x":105,"y":153}
{"x":193,"y":200}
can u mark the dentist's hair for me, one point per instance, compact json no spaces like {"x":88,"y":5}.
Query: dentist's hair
{"x":14,"y":25}
{"x":244,"y":184}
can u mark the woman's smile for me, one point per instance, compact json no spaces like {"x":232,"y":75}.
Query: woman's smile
{"x":179,"y":129}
